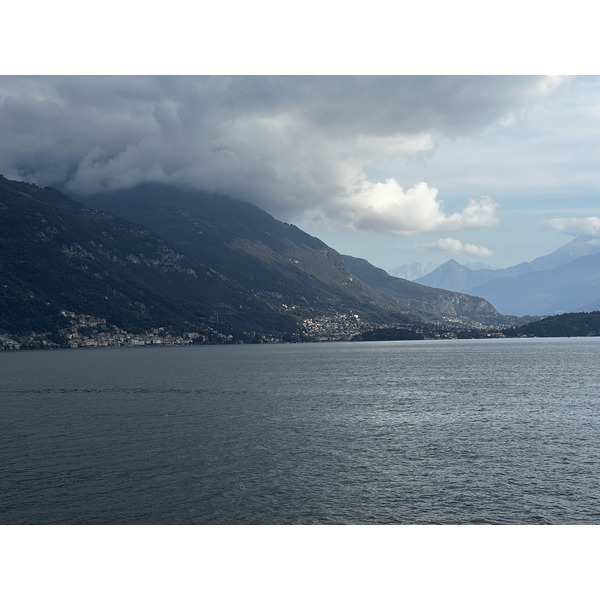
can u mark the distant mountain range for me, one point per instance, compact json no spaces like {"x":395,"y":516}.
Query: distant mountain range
{"x":156,"y":256}
{"x":567,"y":280}
{"x":412,"y":271}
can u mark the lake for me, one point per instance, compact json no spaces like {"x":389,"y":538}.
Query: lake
{"x":498,"y":431}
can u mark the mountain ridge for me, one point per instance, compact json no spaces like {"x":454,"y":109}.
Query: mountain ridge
{"x":554,"y":283}
{"x":301,"y":253}
{"x":420,"y":298}
{"x":59,"y":255}
{"x":192,"y":262}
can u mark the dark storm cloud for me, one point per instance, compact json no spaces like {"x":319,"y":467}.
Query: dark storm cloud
{"x":289,"y":144}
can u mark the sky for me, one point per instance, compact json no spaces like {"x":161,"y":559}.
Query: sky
{"x":394,"y":169}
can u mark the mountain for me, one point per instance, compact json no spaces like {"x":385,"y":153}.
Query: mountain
{"x":460,"y":278}
{"x":61,"y":256}
{"x":453,"y":276}
{"x":164,"y":259}
{"x":412,"y":271}
{"x":579,"y":247}
{"x":423,"y":301}
{"x":272,"y":258}
{"x":579,"y":324}
{"x":565,"y":280}
{"x":476,"y":266}
{"x":415,"y":271}
{"x":570,"y":287}
{"x":449,"y":276}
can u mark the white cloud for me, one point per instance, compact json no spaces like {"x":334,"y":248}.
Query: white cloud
{"x":388,"y":208}
{"x":458,"y":247}
{"x":576,"y":225}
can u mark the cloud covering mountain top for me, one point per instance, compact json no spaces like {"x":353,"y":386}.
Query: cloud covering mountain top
{"x":292,"y":145}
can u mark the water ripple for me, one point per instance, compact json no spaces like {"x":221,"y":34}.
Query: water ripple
{"x":473,"y":432}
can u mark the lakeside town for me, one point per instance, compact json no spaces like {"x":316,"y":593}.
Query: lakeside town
{"x":87,"y":331}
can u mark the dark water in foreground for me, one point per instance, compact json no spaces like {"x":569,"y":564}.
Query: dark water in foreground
{"x":473,"y":431}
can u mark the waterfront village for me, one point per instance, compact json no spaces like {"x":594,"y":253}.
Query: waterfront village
{"x":86,"y":331}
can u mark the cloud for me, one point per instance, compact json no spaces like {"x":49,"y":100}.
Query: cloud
{"x":576,"y":225}
{"x":458,"y":247}
{"x":388,"y":208}
{"x":291,"y":145}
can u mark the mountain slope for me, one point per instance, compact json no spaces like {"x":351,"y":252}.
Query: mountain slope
{"x":570,"y":287}
{"x":271,"y":258}
{"x":448,"y":276}
{"x":412,"y":271}
{"x":192,"y":262}
{"x":58,"y":255}
{"x":424,"y":301}
{"x":243,"y":244}
{"x":581,"y":324}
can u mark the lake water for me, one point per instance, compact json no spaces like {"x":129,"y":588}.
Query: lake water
{"x":449,"y":432}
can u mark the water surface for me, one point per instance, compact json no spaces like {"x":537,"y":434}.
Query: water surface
{"x":451,"y":431}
